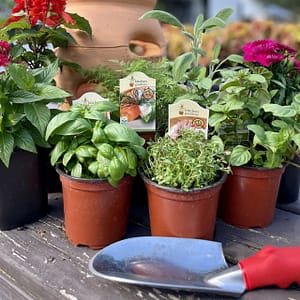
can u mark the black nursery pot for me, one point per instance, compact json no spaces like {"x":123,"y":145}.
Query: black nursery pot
{"x":289,"y":190}
{"x":23,"y":190}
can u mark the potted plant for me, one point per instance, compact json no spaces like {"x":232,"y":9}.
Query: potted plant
{"x":96,"y":158}
{"x":24,"y":95}
{"x":183,"y":176}
{"x":34,"y":30}
{"x":260,"y":130}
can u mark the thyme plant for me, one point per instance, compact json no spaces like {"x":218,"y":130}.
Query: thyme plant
{"x":187,"y":162}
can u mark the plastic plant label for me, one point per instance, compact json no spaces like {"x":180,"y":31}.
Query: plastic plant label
{"x":138,"y":102}
{"x":187,"y":113}
{"x":89,"y":98}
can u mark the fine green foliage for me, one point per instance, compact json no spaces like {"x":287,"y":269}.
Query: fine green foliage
{"x":187,"y":162}
{"x":88,"y":145}
{"x":24,"y":116}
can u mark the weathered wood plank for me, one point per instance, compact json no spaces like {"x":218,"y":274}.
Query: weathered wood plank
{"x":38,"y":262}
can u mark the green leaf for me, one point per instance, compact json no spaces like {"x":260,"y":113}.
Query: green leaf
{"x":39,"y":115}
{"x":216,"y":50}
{"x":93,"y":167}
{"x":81,"y":23}
{"x":6,"y":147}
{"x":197,"y":25}
{"x":21,"y":96}
{"x":280,"y":110}
{"x":162,"y":16}
{"x":225,"y":13}
{"x":76,"y":171}
{"x":216,"y":118}
{"x":258,"y":131}
{"x":280,"y":124}
{"x":205,"y":83}
{"x":212,"y":23}
{"x":60,"y":148}
{"x":67,"y":156}
{"x":257,"y":78}
{"x":24,"y":79}
{"x":236,"y":58}
{"x":74,"y":127}
{"x":85,"y":151}
{"x":139,"y":151}
{"x":24,"y":140}
{"x":48,"y":92}
{"x":240,"y":156}
{"x":46,"y":74}
{"x":296,"y":140}
{"x":121,"y":133}
{"x":188,"y":35}
{"x":59,"y":120}
{"x":181,"y":64}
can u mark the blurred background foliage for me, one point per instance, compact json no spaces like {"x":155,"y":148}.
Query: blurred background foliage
{"x":232,"y":37}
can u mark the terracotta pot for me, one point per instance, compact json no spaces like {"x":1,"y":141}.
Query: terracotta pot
{"x":248,"y":198}
{"x":117,"y":34}
{"x":176,"y":213}
{"x":96,"y":213}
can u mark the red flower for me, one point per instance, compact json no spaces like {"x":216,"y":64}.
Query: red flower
{"x":46,"y":12}
{"x":4,"y":53}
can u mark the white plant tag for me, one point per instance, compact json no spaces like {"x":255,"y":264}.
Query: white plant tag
{"x":138,"y":102}
{"x":187,"y":113}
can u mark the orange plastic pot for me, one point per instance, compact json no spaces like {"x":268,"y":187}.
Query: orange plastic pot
{"x":176,"y":213}
{"x":95,"y":213}
{"x":248,"y":198}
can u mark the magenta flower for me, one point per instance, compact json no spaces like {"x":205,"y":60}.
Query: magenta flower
{"x":296,"y":64}
{"x":266,"y":52}
{"x":4,"y":53}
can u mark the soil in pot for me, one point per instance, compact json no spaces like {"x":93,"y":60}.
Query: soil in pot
{"x":96,"y":213}
{"x":176,"y":213}
{"x":248,"y":197}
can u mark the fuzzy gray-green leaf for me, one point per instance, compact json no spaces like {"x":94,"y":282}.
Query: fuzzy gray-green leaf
{"x":162,"y":16}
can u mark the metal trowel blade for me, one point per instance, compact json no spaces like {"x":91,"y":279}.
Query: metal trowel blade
{"x":163,"y":262}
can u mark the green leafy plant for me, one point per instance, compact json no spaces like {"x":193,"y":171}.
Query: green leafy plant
{"x":186,"y":162}
{"x":167,"y":89}
{"x":255,"y":131}
{"x":24,"y":115}
{"x":89,"y":145}
{"x":199,"y":80}
{"x":36,"y":27}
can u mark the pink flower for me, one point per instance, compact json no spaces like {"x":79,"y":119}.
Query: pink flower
{"x":4,"y":53}
{"x":266,"y":52}
{"x":296,"y":64}
{"x":175,"y":129}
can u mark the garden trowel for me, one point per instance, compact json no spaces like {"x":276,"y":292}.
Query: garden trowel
{"x":194,"y":265}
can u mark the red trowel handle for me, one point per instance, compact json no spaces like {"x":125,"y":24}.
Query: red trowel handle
{"x":272,"y":266}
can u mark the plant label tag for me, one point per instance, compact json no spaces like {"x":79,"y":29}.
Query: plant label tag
{"x":187,"y":113}
{"x":90,"y":98}
{"x":138,"y":102}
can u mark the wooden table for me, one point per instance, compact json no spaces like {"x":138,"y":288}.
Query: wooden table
{"x":38,"y":262}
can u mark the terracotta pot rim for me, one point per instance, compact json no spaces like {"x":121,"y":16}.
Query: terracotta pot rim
{"x":258,"y":168}
{"x":220,"y":181}
{"x":84,"y":180}
{"x":258,"y":172}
